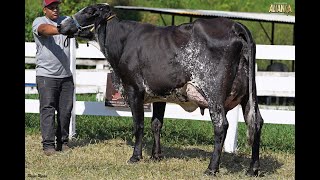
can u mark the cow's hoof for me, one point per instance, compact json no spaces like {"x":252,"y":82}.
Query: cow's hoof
{"x":134,"y":159}
{"x":253,"y":173}
{"x":210,"y":172}
{"x":156,"y":157}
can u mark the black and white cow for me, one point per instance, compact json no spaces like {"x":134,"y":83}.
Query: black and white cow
{"x":209,"y":63}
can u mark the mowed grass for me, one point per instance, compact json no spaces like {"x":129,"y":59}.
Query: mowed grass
{"x":107,"y":159}
{"x":104,"y":144}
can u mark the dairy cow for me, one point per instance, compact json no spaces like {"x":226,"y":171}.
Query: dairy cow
{"x":206,"y":64}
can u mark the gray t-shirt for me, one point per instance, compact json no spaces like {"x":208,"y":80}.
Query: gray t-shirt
{"x":52,"y":58}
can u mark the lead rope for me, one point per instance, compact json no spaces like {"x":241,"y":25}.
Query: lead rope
{"x":66,"y":42}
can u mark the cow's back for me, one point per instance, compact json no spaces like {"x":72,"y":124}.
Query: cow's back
{"x":214,"y":28}
{"x":171,"y":56}
{"x":157,"y":49}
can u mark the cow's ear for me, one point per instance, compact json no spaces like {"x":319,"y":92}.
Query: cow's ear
{"x":107,"y":15}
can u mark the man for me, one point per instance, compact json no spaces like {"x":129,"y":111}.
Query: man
{"x":53,"y":78}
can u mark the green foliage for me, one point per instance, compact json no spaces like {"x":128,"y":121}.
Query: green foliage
{"x":283,"y":32}
{"x":70,"y":7}
{"x":29,"y":66}
{"x":33,"y":9}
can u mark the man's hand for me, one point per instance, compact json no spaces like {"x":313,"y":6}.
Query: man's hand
{"x":64,"y":28}
{"x":59,"y":28}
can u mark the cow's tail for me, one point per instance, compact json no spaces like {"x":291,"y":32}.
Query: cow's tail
{"x":249,"y":53}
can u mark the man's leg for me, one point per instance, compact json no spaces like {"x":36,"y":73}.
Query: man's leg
{"x":48,"y":96}
{"x":64,"y":112}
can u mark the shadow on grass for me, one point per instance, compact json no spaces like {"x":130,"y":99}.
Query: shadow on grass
{"x":235,"y":163}
{"x":232,"y":162}
{"x":82,"y":142}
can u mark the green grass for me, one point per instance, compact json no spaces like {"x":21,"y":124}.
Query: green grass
{"x":79,"y":97}
{"x":175,"y":131}
{"x":275,"y":137}
{"x":107,"y":159}
{"x":103,"y":145}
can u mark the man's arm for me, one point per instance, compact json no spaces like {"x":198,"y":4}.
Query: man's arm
{"x":48,"y":30}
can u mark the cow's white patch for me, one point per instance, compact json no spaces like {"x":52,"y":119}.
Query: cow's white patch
{"x":216,"y":117}
{"x":193,"y":58}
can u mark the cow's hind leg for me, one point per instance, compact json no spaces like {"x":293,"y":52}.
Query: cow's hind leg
{"x":156,"y":125}
{"x":254,"y":122}
{"x":220,"y":124}
{"x":135,"y":99}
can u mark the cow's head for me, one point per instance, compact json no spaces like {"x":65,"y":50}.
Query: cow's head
{"x":83,"y":23}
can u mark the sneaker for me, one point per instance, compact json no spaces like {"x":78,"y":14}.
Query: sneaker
{"x":49,"y":151}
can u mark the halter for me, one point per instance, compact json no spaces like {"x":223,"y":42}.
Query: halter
{"x":81,"y":28}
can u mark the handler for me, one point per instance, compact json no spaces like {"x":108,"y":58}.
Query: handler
{"x":53,"y":78}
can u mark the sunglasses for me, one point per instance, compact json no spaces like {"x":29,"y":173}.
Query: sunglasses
{"x":52,"y":7}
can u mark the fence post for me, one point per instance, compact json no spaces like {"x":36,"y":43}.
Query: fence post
{"x":72,"y":126}
{"x":230,"y":143}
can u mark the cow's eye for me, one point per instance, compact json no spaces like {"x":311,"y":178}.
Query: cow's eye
{"x":90,"y":11}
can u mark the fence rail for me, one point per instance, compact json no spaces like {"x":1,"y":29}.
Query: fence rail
{"x":94,"y":81}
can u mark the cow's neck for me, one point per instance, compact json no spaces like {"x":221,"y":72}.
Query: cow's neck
{"x":110,"y":37}
{"x":100,"y":36}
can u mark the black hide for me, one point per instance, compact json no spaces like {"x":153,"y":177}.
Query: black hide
{"x":209,"y":63}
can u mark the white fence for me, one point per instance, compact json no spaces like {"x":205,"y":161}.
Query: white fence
{"x":94,"y":81}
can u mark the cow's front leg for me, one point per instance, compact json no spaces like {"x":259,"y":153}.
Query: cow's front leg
{"x":156,"y":125}
{"x":220,"y":124}
{"x":135,"y":100}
